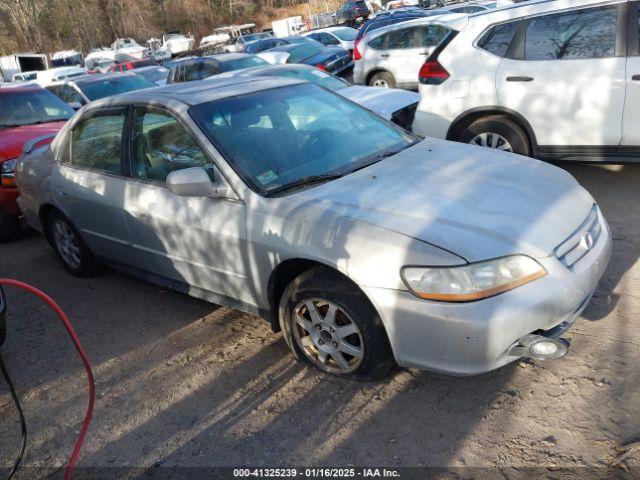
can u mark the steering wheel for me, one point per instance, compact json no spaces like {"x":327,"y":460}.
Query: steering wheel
{"x":313,"y":145}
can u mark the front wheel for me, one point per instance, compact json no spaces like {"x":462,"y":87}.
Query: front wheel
{"x":329,"y":323}
{"x":497,"y":132}
{"x":69,"y":246}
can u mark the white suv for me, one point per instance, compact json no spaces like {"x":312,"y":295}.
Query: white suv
{"x":391,"y":56}
{"x":557,"y":80}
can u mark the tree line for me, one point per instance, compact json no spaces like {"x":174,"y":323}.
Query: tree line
{"x":45,"y":26}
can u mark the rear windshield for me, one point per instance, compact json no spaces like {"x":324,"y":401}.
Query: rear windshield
{"x":31,"y":107}
{"x":114,"y":85}
{"x":240,"y":63}
{"x":308,"y":74}
{"x":303,"y":51}
{"x":346,"y":34}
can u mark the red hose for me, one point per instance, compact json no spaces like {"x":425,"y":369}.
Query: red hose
{"x":85,"y":361}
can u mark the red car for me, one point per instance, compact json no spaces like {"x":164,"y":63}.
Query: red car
{"x":26,"y":113}
{"x":126,"y":66}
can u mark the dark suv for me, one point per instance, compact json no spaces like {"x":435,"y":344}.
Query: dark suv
{"x":352,"y":13}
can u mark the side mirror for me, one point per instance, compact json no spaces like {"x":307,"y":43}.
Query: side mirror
{"x":3,"y":320}
{"x":195,"y":182}
{"x":75,"y":105}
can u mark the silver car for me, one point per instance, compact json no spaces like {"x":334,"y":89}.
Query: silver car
{"x":360,"y":242}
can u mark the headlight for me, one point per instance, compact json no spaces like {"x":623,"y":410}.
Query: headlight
{"x":7,"y":177}
{"x":474,"y":281}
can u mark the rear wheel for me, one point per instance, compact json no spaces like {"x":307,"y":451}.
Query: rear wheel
{"x":9,"y":227}
{"x":382,"y":80}
{"x":68,"y":244}
{"x":328,"y":323}
{"x":497,"y":132}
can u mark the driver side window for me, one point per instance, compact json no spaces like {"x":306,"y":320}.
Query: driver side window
{"x":161,"y":145}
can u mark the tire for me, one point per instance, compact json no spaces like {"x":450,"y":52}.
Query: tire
{"x":383,"y":80}
{"x":9,"y":227}
{"x":495,"y":130}
{"x":69,"y":246}
{"x":360,"y":351}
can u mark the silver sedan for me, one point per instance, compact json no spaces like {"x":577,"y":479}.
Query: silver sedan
{"x":362,"y":243}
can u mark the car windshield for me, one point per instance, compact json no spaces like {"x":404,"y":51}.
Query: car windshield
{"x":95,"y":89}
{"x":308,"y":74}
{"x":346,"y":34}
{"x":153,"y":74}
{"x":278,"y":137}
{"x":31,"y":107}
{"x":242,"y":62}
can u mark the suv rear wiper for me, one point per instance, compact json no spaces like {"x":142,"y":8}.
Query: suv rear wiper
{"x":304,"y":181}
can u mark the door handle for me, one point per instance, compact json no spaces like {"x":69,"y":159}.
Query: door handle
{"x":424,"y":53}
{"x":63,"y":194}
{"x":384,"y":55}
{"x":636,"y":78}
{"x":519,"y":79}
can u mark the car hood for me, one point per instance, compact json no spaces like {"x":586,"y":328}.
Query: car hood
{"x":384,"y":101}
{"x":13,"y":139}
{"x":475,"y":202}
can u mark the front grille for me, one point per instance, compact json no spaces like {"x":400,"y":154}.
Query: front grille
{"x":404,"y":116}
{"x":581,"y":241}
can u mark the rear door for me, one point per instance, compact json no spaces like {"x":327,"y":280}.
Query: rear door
{"x":631,"y":120}
{"x":565,"y":75}
{"x":87,"y":182}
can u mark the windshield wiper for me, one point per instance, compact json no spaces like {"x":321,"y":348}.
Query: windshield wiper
{"x":383,"y":155}
{"x":51,"y":120}
{"x":304,"y":181}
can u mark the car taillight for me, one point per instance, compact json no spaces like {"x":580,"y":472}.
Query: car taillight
{"x":356,"y":53}
{"x":320,"y":66}
{"x":432,"y":73}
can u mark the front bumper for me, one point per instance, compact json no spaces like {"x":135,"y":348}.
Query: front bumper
{"x":8,"y":205}
{"x":474,"y":337}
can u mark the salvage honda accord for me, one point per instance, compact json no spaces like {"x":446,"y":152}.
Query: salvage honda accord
{"x":362,"y":243}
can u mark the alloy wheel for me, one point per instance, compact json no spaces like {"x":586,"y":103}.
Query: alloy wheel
{"x":67,"y":243}
{"x":492,"y":140}
{"x":328,"y":336}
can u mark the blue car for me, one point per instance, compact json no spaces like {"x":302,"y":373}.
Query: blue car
{"x":330,"y":59}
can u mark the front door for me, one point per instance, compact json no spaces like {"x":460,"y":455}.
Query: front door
{"x":197,"y":241}
{"x":567,"y":78}
{"x":87,"y":183}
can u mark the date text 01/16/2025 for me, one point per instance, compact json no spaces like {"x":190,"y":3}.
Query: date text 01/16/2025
{"x":314,"y":473}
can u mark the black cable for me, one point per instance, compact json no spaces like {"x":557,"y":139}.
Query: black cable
{"x":23,"y":424}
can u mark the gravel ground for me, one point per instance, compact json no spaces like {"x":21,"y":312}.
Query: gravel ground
{"x":181,"y":382}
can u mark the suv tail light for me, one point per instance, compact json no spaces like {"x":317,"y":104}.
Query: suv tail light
{"x":321,"y":66}
{"x":356,"y":53}
{"x":432,"y":73}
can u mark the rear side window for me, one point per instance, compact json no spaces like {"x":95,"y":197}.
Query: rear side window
{"x":588,"y":33}
{"x":97,"y":143}
{"x":431,"y":35}
{"x":498,"y":39}
{"x":376,"y":43}
{"x":400,"y":39}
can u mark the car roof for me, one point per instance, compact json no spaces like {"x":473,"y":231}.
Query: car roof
{"x":446,"y":19}
{"x":197,"y":92}
{"x":220,"y":57}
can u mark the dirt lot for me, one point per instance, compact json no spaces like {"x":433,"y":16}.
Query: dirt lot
{"x":184,"y":382}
